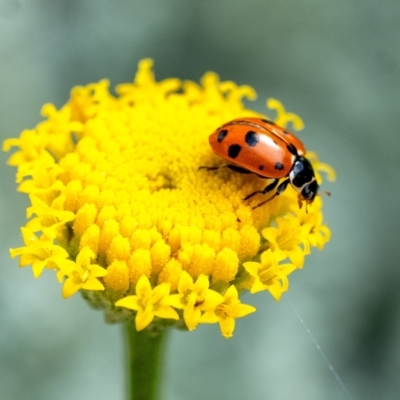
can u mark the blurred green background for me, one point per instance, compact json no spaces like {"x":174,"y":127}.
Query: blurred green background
{"x":335,"y":63}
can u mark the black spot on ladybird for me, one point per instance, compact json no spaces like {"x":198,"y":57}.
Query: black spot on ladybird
{"x":234,"y":150}
{"x":261,"y":167}
{"x":279,"y":166}
{"x":285,"y":132}
{"x":252,"y":138}
{"x":222,"y":135}
{"x":267,"y":121}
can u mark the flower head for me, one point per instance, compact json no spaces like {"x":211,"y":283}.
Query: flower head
{"x":120,"y":208}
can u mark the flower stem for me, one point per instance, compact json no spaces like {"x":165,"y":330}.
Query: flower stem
{"x":144,"y":355}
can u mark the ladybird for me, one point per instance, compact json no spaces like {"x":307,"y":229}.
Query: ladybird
{"x":259,"y":146}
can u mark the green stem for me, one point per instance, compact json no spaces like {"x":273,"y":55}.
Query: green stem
{"x":145,"y":350}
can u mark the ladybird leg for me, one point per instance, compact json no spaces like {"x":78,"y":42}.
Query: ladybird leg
{"x":240,"y":170}
{"x":235,"y":168}
{"x":267,"y":189}
{"x":280,"y":189}
{"x":209,"y":168}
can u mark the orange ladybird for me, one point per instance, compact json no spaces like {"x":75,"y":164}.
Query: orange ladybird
{"x":259,"y":146}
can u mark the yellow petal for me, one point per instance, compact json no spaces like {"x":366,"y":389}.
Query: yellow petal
{"x":70,"y":287}
{"x":92,"y":284}
{"x":258,"y":286}
{"x":201,"y":284}
{"x":297,"y":257}
{"x":209,"y":317}
{"x":160,"y":291}
{"x":211,"y":300}
{"x":175,"y":300}
{"x":97,"y":271}
{"x":26,"y":259}
{"x":143,"y":287}
{"x":28,"y":236}
{"x":252,"y":267}
{"x":227,"y":326}
{"x":166,"y":312}
{"x":143,"y":319}
{"x":17,"y":252}
{"x":244,"y":309}
{"x":231,"y":293}
{"x":84,"y":256}
{"x":185,"y":282}
{"x":128,"y":302}
{"x":38,"y":268}
{"x":191,"y":317}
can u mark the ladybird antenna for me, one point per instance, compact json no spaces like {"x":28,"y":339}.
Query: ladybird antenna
{"x":324,"y":193}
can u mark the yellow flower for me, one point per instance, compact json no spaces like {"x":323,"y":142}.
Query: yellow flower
{"x":149,"y":303}
{"x":311,"y":225}
{"x":268,"y":275}
{"x":82,"y":274}
{"x":119,"y":207}
{"x":49,"y":218}
{"x":287,"y":239}
{"x":193,"y":298}
{"x":225,"y":313}
{"x":32,"y":147}
{"x":40,"y":253}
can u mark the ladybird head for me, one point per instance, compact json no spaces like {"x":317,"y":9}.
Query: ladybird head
{"x":302,"y":178}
